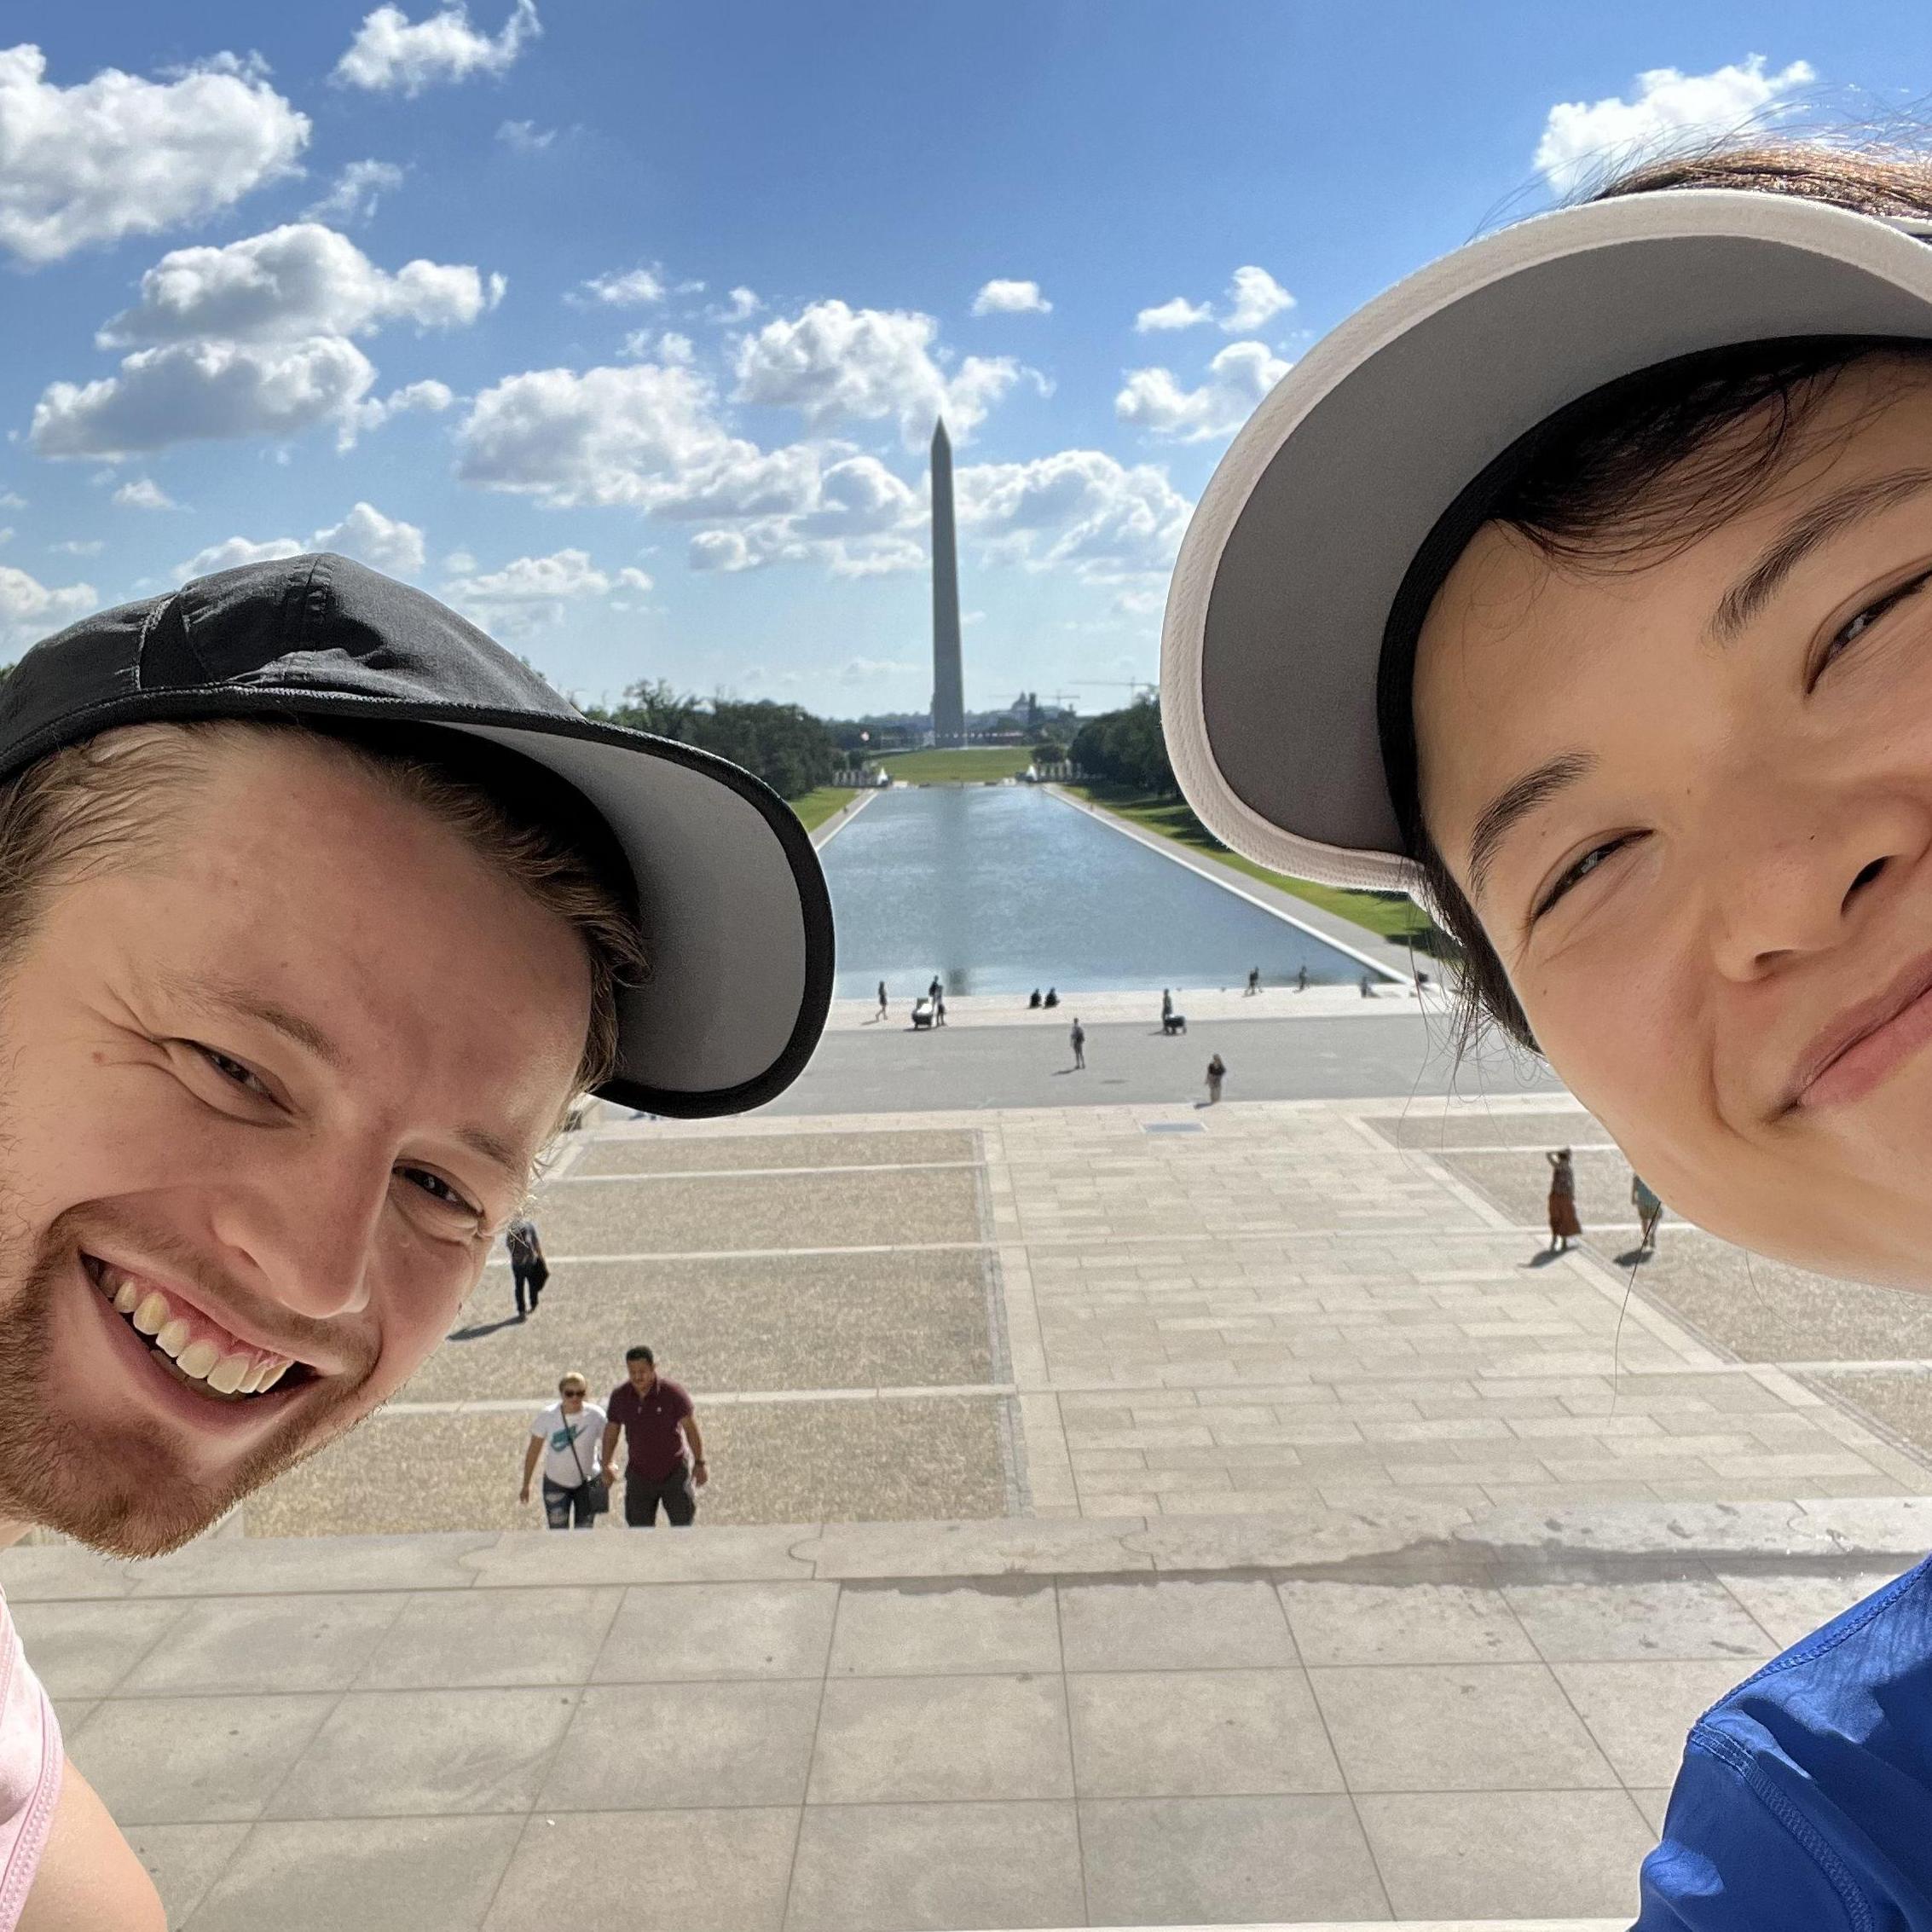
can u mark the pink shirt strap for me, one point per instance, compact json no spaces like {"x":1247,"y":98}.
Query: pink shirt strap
{"x":30,"y":1759}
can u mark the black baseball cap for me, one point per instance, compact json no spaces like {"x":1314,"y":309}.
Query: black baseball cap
{"x":732,"y":901}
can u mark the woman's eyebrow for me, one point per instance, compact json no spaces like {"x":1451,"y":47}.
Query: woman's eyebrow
{"x":1513,"y":803}
{"x":1816,"y":524}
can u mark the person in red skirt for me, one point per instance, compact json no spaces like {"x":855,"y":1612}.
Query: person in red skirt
{"x":1565,"y":1228}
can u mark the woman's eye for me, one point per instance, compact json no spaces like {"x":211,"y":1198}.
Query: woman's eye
{"x":1575,"y":874}
{"x":1848,"y":634}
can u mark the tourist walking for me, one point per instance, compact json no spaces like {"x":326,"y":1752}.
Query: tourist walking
{"x":1650,"y":1212}
{"x":881,"y":999}
{"x":664,"y":1452}
{"x":1166,"y":1004}
{"x":939,"y":1010}
{"x":1301,"y":980}
{"x":933,"y":990}
{"x":1367,"y":988}
{"x":1565,"y":1228}
{"x":528,"y":1268}
{"x":1254,"y":982}
{"x":1078,"y":1037}
{"x":565,"y":1436}
{"x":1216,"y":1072}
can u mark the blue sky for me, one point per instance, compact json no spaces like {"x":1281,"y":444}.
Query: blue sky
{"x":621,"y":324}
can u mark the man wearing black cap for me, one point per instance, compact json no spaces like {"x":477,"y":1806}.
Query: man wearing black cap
{"x":317,"y":912}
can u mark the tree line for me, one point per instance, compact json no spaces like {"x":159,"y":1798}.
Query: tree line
{"x":784,"y":744}
{"x":1126,"y":748}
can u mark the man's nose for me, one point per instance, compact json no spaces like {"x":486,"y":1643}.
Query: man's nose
{"x":307,"y":1230}
{"x":1797,"y":874}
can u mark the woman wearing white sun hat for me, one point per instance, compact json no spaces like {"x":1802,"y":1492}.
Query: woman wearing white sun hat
{"x":1582,"y":585}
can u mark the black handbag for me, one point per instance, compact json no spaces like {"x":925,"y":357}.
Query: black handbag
{"x":597,"y":1490}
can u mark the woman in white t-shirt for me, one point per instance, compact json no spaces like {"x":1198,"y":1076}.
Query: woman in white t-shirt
{"x":565,"y":1436}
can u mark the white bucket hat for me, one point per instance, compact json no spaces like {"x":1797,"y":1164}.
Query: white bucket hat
{"x":1343,"y":502}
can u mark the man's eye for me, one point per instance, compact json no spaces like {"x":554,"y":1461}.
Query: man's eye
{"x":438,"y":1190}
{"x":231,"y":1069}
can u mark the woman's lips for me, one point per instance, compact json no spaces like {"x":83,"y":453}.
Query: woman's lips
{"x":1874,"y":1054}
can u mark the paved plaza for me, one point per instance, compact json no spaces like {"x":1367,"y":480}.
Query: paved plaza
{"x":1122,"y":1515}
{"x":1318,"y":1717}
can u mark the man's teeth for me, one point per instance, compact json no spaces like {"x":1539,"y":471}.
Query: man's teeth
{"x":228,"y":1372}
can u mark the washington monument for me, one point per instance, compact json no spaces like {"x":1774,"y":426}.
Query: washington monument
{"x":949,"y":699}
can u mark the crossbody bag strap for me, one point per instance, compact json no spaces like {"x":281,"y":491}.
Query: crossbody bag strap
{"x":575,"y":1457}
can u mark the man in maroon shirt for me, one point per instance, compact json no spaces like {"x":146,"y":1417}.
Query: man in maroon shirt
{"x":664,"y":1453}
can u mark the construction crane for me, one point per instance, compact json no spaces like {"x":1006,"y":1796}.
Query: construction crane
{"x":1117,"y":684}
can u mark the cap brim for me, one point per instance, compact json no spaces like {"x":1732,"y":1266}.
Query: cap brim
{"x":1275,"y":620}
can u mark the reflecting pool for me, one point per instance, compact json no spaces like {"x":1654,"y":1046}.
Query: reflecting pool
{"x":1001,"y":888}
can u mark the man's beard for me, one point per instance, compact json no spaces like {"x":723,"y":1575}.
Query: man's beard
{"x":91,"y":1469}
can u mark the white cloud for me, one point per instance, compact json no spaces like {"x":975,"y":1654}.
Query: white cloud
{"x":1079,"y":510}
{"x":1011,"y":298}
{"x":834,"y":362}
{"x":1179,"y":314}
{"x":1237,"y":379}
{"x":252,"y":338}
{"x":80,"y":546}
{"x":30,"y":609}
{"x":357,"y":194}
{"x":1254,"y":298}
{"x":187,"y":391}
{"x":740,"y":305}
{"x":143,"y":493}
{"x":671,"y":347}
{"x":645,"y":435}
{"x":118,"y":155}
{"x":721,"y":550}
{"x":863,"y":521}
{"x":391,"y":52}
{"x":1672,"y":111}
{"x":232,"y":552}
{"x":525,"y":137}
{"x":632,"y":289}
{"x":300,"y":279}
{"x":530,"y":592}
{"x":10,"y":499}
{"x":385,"y":543}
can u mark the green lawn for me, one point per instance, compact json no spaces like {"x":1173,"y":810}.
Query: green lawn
{"x":816,"y":806}
{"x":1394,"y":915}
{"x":977,"y":765}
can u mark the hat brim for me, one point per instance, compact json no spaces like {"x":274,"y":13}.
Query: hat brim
{"x":1272,"y":633}
{"x":737,"y":923}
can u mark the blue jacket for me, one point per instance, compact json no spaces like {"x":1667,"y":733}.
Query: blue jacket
{"x":1805,"y":1801}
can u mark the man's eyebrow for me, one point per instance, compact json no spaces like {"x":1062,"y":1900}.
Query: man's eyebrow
{"x":1817,"y":523}
{"x":226,"y":998}
{"x":1514,"y":802}
{"x":495,"y":1149}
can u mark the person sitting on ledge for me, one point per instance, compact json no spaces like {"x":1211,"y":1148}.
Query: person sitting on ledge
{"x":1032,"y":1005}
{"x":1052,"y":997}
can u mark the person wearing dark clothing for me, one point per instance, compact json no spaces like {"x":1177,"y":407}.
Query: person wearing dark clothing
{"x":528,"y":1268}
{"x":1216,"y":1072}
{"x":881,"y":999}
{"x":1078,"y":1037}
{"x":1367,"y":988}
{"x":1166,"y":1003}
{"x":939,"y":1010}
{"x":664,"y":1452}
{"x":1052,"y":997}
{"x":1032,"y":1005}
{"x":1254,"y":982}
{"x":1301,"y":980}
{"x":933,"y":990}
